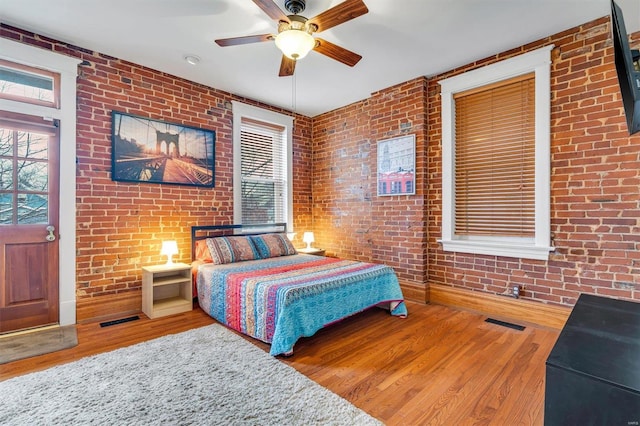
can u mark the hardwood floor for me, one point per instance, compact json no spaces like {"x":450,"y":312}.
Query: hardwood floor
{"x":438,"y":366}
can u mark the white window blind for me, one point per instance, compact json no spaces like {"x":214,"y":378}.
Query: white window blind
{"x":264,"y":177}
{"x":262,"y":166}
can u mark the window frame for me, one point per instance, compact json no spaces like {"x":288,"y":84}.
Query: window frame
{"x":538,"y":247}
{"x":240,"y":111}
{"x":53,"y":76}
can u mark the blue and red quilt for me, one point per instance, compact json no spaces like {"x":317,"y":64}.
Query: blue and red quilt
{"x":280,"y":299}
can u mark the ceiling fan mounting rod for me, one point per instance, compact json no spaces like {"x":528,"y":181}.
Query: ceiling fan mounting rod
{"x":294,"y":6}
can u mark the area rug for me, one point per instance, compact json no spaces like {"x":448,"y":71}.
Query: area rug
{"x":205,"y":376}
{"x":37,"y":342}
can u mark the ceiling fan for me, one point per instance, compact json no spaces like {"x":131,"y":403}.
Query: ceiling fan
{"x":295,"y":32}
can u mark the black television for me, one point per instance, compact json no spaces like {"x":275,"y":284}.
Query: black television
{"x":628,"y":69}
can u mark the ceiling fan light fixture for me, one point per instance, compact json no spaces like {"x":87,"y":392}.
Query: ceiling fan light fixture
{"x":294,"y":43}
{"x":295,"y":36}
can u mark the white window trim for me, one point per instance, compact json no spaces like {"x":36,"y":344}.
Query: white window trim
{"x":241,"y":110}
{"x":538,"y":61}
{"x":67,"y":67}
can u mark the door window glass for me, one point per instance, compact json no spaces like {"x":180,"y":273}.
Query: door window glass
{"x":24,"y":173}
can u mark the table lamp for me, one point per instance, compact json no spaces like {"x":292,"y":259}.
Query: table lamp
{"x":307,"y":237}
{"x":169,"y":248}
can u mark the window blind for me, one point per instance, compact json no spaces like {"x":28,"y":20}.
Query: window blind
{"x":263,"y":172}
{"x":495,"y":159}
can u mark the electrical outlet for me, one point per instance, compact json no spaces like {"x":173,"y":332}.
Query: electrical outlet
{"x":516,"y":291}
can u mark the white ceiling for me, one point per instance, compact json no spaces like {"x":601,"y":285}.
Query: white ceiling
{"x":399,"y":40}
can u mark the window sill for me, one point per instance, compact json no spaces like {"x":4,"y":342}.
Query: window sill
{"x":522,"y":251}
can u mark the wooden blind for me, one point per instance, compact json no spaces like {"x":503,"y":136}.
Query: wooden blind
{"x":263,"y":172}
{"x":495,"y":159}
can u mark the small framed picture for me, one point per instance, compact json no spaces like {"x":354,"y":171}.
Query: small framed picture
{"x":397,"y":166}
{"x":152,"y":151}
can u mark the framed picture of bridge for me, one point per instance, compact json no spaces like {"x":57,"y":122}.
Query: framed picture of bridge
{"x":152,"y":151}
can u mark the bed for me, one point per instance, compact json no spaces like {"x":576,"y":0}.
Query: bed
{"x":251,"y":279}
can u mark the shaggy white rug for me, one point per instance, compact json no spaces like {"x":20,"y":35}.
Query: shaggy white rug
{"x":204,"y":376}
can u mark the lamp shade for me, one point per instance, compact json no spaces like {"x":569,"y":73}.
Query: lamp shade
{"x":307,"y":237}
{"x":169,"y":248}
{"x":295,"y":44}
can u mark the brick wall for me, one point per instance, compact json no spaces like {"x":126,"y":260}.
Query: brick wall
{"x":120,"y":225}
{"x":342,"y":187}
{"x":595,"y":176}
{"x":349,"y":219}
{"x":595,"y":179}
{"x":594,"y":184}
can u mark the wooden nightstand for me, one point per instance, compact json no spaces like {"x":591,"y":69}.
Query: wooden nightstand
{"x":312,"y":250}
{"x":166,"y":289}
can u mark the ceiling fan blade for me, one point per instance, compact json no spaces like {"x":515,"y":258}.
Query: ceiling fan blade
{"x":336,"y":52}
{"x":272,"y":10}
{"x":234,"y":41}
{"x":339,"y":14}
{"x":287,"y":66}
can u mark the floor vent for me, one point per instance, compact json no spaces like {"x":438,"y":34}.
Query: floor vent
{"x":119,"y":321}
{"x":505,"y":324}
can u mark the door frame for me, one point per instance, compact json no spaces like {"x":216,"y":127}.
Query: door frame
{"x":67,"y":67}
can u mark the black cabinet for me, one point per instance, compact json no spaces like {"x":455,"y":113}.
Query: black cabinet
{"x":593,"y":371}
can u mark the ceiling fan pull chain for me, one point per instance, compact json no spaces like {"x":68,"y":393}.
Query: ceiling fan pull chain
{"x":293,"y":93}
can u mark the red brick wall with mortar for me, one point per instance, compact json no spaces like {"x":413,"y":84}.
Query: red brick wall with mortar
{"x":342,"y":189}
{"x":595,"y":184}
{"x":349,"y":219}
{"x":398,"y":230}
{"x":595,"y":177}
{"x":120,"y":225}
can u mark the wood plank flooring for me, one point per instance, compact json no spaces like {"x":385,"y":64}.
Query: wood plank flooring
{"x":438,"y":366}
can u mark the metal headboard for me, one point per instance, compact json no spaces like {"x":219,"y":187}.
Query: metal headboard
{"x":210,"y":231}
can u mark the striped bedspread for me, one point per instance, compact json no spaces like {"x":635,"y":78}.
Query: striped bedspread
{"x":281,"y":299}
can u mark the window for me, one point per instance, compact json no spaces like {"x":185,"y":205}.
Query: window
{"x":496,"y":158}
{"x":28,"y":148}
{"x":27,"y":84}
{"x":262,"y":166}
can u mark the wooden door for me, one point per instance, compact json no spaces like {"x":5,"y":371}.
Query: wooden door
{"x":29,"y":199}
